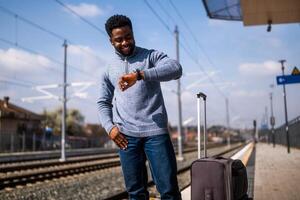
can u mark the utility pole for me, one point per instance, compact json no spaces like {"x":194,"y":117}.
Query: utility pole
{"x":64,"y":110}
{"x":254,"y":131}
{"x":227,"y":121}
{"x":272,"y":118}
{"x":265,"y":122}
{"x":179,"y":130}
{"x":285,"y":109}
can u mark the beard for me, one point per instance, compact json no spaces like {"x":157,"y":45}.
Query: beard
{"x":126,"y":51}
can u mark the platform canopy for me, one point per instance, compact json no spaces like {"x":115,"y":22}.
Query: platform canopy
{"x":254,"y":12}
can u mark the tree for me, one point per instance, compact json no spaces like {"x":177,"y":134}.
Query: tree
{"x":75,"y":121}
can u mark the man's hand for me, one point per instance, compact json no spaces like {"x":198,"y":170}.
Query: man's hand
{"x":127,"y":80}
{"x":118,"y":138}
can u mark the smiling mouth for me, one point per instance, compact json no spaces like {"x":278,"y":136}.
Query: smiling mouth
{"x":126,"y":48}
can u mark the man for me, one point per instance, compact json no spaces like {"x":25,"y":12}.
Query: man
{"x":132,"y":111}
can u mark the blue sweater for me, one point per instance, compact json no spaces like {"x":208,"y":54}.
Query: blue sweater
{"x":138,"y":111}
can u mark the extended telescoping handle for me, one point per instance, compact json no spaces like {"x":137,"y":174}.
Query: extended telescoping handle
{"x":199,"y":96}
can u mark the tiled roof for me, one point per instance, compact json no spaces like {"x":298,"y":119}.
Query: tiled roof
{"x":17,"y":112}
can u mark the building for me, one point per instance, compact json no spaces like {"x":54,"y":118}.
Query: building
{"x":20,"y":129}
{"x":96,"y":134}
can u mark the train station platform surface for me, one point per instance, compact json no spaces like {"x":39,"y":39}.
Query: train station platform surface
{"x":277,"y":173}
{"x":273,"y":174}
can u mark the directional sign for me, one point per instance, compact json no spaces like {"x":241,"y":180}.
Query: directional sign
{"x":288,"y":79}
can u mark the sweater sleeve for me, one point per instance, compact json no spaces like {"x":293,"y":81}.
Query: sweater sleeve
{"x":164,"y":68}
{"x":105,"y":103}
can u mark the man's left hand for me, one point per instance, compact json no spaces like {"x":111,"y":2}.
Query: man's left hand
{"x":127,"y":80}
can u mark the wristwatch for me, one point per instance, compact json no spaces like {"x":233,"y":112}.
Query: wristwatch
{"x":139,"y":75}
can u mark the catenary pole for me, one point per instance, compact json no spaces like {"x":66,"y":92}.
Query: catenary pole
{"x":180,"y":156}
{"x":285,"y":109}
{"x":272,"y":118}
{"x":64,"y":110}
{"x":227,"y":121}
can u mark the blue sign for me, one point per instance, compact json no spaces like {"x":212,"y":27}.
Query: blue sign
{"x":288,"y":79}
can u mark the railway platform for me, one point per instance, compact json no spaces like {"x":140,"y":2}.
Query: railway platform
{"x":277,"y":174}
{"x":273,"y":174}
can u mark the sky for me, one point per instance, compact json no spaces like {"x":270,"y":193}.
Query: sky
{"x":223,"y":59}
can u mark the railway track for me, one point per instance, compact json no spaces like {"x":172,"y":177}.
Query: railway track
{"x":182,"y":171}
{"x":20,"y":157}
{"x":14,"y":174}
{"x":48,"y":178}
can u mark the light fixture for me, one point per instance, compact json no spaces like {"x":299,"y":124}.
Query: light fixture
{"x":269,"y":26}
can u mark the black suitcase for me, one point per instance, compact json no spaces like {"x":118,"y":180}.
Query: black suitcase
{"x":216,"y":178}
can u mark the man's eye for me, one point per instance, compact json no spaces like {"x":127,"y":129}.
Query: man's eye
{"x":128,"y":37}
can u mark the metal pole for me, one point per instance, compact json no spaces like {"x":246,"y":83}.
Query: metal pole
{"x":180,"y":157}
{"x":204,"y":132}
{"x":64,"y":110}
{"x":285,"y":110}
{"x":198,"y":130}
{"x":266,"y":123}
{"x":254,"y":131}
{"x":227,"y":121}
{"x":272,"y":118}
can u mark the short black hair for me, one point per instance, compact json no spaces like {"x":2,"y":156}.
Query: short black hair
{"x":117,"y":21}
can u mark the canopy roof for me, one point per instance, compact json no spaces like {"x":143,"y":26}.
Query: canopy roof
{"x":254,"y":12}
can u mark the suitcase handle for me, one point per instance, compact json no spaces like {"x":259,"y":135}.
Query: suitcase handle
{"x":203,"y":96}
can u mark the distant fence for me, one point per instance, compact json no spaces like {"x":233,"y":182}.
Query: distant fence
{"x":280,"y":134}
{"x":10,"y":142}
{"x":294,"y":133}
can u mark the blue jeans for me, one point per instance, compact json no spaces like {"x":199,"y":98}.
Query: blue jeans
{"x":162,"y":161}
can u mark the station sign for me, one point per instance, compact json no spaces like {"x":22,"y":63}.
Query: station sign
{"x":289,"y":79}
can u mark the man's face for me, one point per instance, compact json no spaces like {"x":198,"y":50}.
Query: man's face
{"x":123,"y":41}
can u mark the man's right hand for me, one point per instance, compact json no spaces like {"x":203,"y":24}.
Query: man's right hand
{"x":118,"y":138}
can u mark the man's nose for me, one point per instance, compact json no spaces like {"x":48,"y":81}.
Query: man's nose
{"x":125,"y":42}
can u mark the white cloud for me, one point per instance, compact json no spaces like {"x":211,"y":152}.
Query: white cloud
{"x":85,"y":57}
{"x":274,"y":42}
{"x":86,"y":10}
{"x":247,"y":93}
{"x":79,"y":49}
{"x":266,"y":68}
{"x":21,"y":61}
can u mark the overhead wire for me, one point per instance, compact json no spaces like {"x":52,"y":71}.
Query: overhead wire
{"x":31,"y":23}
{"x":184,"y":48}
{"x":80,"y":17}
{"x":189,"y":53}
{"x":37,"y":26}
{"x":196,"y":41}
{"x":33,"y":52}
{"x":174,"y":22}
{"x":55,"y":35}
{"x":202,"y":49}
{"x":15,"y":83}
{"x":52,"y":59}
{"x":164,"y":23}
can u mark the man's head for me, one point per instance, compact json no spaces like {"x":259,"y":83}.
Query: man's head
{"x":119,"y":29}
